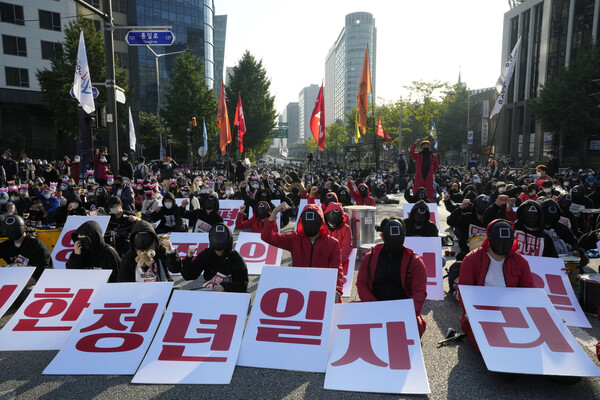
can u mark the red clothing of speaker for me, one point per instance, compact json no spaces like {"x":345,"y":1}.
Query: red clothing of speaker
{"x":426,"y":183}
{"x":361,"y":201}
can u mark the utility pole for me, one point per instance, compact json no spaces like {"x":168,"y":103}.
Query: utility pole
{"x":111,"y":95}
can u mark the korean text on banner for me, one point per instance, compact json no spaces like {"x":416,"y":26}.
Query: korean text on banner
{"x":375,"y":347}
{"x":228,"y":210}
{"x":257,"y":253}
{"x":52,"y":310}
{"x":430,"y":251}
{"x":433,"y":212}
{"x":12,"y":283}
{"x":290,"y":320}
{"x":198,"y":341}
{"x":182,"y":241}
{"x":64,"y":246}
{"x":548,"y":274}
{"x":519,"y":331}
{"x":113,"y":336}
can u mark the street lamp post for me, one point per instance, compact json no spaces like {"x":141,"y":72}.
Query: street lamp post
{"x":156,"y":56}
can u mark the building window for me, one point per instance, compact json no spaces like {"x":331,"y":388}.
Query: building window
{"x":94,"y":3}
{"x":119,"y":6}
{"x":15,"y":46}
{"x":49,"y":20}
{"x":11,"y":13}
{"x":16,"y":77}
{"x":49,"y":49}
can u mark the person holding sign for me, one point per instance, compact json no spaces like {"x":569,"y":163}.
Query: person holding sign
{"x":223,"y":268}
{"x":90,"y":251}
{"x":24,"y":249}
{"x":495,"y":263}
{"x":206,"y":217}
{"x":393,"y":272}
{"x":148,"y":259}
{"x":310,"y":245}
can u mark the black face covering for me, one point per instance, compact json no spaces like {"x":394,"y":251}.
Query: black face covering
{"x":343,"y":197}
{"x":14,"y":227}
{"x":551,"y":213}
{"x":393,"y":235}
{"x":564,"y":201}
{"x":311,"y":223}
{"x":482,"y":202}
{"x":330,"y":197}
{"x":501,"y":236}
{"x":577,"y":194}
{"x":421,"y":194}
{"x":210,"y":203}
{"x":363,"y":191}
{"x":262,"y":210}
{"x":420,"y":214}
{"x":218,"y":237}
{"x":143,"y":241}
{"x":531,"y":217}
{"x":86,"y":242}
{"x":334,"y":218}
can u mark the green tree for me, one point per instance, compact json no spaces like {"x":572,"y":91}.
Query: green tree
{"x":149,"y":134}
{"x":564,"y":105}
{"x":57,"y":81}
{"x":188,"y":97}
{"x":451,"y":124}
{"x":250,"y":79}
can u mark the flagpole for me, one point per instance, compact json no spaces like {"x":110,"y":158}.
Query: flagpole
{"x":494,"y":136}
{"x":375,"y":147}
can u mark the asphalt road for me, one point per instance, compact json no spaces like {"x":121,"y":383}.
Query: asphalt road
{"x":456,"y":371}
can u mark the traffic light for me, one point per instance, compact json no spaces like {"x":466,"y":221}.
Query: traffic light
{"x":194,"y":123}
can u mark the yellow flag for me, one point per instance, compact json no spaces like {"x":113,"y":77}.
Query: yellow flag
{"x":364,"y":88}
{"x":357,"y":134}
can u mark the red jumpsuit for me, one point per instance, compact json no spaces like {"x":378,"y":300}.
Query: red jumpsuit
{"x":427,"y":183}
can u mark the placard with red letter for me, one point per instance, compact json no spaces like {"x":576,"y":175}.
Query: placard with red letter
{"x":519,"y":331}
{"x":228,"y":210}
{"x":198,"y":341}
{"x":257,"y":253}
{"x":375,"y":347}
{"x":115,"y":333}
{"x":349,"y":274}
{"x":433,"y":212}
{"x":290,"y":319}
{"x":548,"y":274}
{"x":52,"y":310}
{"x":12,"y":283}
{"x":430,"y":251}
{"x":182,"y":241}
{"x":64,"y":246}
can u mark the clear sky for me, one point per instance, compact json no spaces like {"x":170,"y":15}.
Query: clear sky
{"x":416,"y":40}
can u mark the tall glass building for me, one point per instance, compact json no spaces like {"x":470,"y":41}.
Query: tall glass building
{"x":220,"y":34}
{"x":343,"y":65}
{"x":553,"y":33}
{"x":192,"y":22}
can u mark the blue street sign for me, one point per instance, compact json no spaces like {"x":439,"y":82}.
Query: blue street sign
{"x":152,"y":38}
{"x":94,"y":92}
{"x":470,"y":137}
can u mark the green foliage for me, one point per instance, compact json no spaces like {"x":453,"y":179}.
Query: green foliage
{"x":564,"y":105}
{"x":451,"y":123}
{"x":250,"y":79}
{"x":149,"y":134}
{"x":57,"y":81}
{"x":188,"y":97}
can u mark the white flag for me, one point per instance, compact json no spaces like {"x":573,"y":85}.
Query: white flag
{"x":504,"y":79}
{"x":132,"y":140}
{"x":82,"y":83}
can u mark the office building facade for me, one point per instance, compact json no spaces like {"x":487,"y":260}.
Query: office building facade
{"x":553,"y":33}
{"x":32,"y":30}
{"x":292,"y":114}
{"x":306,"y":104}
{"x":220,"y":36}
{"x":343,"y":65}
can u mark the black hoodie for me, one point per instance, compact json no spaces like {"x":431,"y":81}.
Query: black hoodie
{"x":99,"y":256}
{"x":165,"y":261}
{"x":528,"y":240}
{"x":171,"y":220}
{"x":230,"y":263}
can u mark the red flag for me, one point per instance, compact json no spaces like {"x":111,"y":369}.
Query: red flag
{"x":240,"y":122}
{"x":223,"y":122}
{"x":317,"y":120}
{"x":364,"y":88}
{"x":382,"y":133}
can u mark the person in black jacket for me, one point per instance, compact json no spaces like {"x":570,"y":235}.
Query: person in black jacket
{"x":170,"y":216}
{"x":552,"y":164}
{"x":223,"y":267}
{"x":530,"y":236}
{"x":418,"y":223}
{"x":91,"y":251}
{"x":208,"y":213}
{"x":125,"y":167}
{"x":24,"y":249}
{"x":148,"y":259}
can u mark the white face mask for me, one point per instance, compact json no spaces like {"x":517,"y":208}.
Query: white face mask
{"x":76,"y":159}
{"x":14,"y":198}
{"x":115,"y":210}
{"x":102,"y":159}
{"x":124,"y":158}
{"x":74,"y":206}
{"x":501,"y":190}
{"x":47,"y":195}
{"x":168,"y":205}
{"x":547,"y":190}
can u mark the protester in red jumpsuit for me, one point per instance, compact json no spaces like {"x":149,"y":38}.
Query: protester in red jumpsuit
{"x":363,"y":197}
{"x":426,"y":165}
{"x":310,"y":245}
{"x":336,"y":221}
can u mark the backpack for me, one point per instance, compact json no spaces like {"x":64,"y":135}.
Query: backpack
{"x":138,"y":174}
